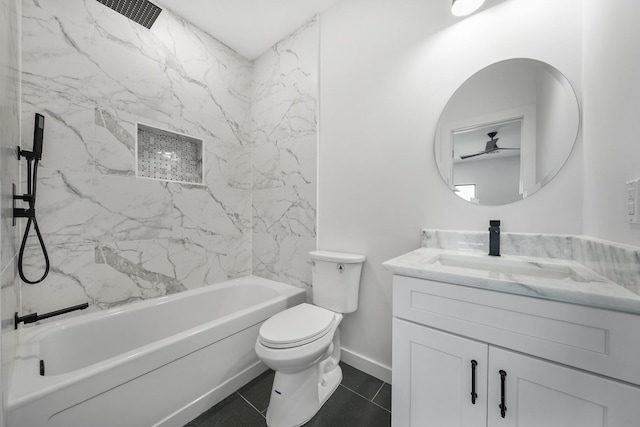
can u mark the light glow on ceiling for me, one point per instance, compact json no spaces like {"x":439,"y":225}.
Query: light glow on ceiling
{"x":465,"y":7}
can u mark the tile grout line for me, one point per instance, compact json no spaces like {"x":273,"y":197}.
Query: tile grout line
{"x":377,"y":392}
{"x":370,"y":401}
{"x":250,"y":404}
{"x":381,"y":407}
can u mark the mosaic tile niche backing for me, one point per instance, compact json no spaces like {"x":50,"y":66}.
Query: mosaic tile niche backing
{"x":169,"y":156}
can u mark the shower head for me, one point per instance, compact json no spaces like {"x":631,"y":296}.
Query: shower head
{"x":38,"y":136}
{"x":141,"y":11}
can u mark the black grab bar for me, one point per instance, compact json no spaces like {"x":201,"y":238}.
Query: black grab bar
{"x":33,"y":317}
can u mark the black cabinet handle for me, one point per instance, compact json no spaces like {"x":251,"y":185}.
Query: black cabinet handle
{"x":474,"y":395}
{"x":503,"y":406}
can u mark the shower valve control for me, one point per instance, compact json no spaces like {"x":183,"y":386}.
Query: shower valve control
{"x":631,"y":203}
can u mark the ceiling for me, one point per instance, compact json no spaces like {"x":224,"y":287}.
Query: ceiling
{"x":250,"y":27}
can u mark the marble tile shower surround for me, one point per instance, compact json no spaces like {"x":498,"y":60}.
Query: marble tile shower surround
{"x":619,"y":263}
{"x":284,"y":129}
{"x":9,"y":124}
{"x":9,"y":138}
{"x":113,"y":238}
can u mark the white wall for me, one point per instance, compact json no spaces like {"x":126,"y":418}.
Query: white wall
{"x":555,"y":124}
{"x":387,"y":70}
{"x":497,"y":179}
{"x":611,"y":122}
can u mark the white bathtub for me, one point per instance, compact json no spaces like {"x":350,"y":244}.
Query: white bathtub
{"x":153,"y":363}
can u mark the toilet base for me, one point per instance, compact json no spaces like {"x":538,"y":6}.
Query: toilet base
{"x":297,"y":397}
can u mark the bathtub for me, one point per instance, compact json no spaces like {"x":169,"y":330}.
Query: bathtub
{"x":154,"y":363}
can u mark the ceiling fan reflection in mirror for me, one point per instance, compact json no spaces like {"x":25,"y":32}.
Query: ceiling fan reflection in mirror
{"x":490,"y":148}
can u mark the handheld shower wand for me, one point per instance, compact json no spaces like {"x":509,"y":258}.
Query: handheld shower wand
{"x":30,"y":213}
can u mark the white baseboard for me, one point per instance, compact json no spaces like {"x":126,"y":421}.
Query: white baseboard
{"x":366,"y":365}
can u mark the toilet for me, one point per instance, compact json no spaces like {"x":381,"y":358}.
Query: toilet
{"x":302,"y":344}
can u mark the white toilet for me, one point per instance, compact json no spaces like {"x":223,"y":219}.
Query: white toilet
{"x":302,"y":343}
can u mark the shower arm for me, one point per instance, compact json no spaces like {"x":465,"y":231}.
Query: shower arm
{"x":34,"y":317}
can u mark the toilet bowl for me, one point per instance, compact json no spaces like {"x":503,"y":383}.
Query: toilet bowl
{"x":302,"y":344}
{"x":301,"y":384}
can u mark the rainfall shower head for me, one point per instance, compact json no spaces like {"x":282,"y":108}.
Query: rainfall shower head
{"x":141,"y":11}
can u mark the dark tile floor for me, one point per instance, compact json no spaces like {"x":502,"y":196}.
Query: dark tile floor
{"x":360,"y":400}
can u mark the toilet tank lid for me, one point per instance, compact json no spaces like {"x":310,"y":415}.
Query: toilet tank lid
{"x":336,"y":257}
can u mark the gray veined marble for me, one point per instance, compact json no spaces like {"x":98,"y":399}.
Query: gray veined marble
{"x":284,"y":111}
{"x":286,"y":211}
{"x":112,"y":237}
{"x":9,"y":138}
{"x":284,"y":157}
{"x":9,"y":126}
{"x":618,"y":263}
{"x":538,"y":245}
{"x":199,"y":211}
{"x":116,"y":238}
{"x":546,"y":278}
{"x":284,"y":258}
{"x":9,"y":301}
{"x":68,"y":121}
{"x":136,"y":266}
{"x":70,"y":280}
{"x":115,"y":136}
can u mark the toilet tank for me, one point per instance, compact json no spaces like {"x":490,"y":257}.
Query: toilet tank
{"x":336,"y":280}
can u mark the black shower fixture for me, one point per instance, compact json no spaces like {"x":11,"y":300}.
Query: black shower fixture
{"x":33,"y":159}
{"x":141,"y":11}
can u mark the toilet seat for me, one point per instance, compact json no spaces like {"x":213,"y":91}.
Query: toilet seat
{"x":296,"y":326}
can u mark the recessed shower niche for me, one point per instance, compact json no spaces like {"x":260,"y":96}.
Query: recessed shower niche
{"x":170,"y":156}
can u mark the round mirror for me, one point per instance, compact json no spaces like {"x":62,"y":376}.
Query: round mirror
{"x":507,"y":131}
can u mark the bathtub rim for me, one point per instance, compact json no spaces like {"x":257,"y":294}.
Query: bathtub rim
{"x":27,"y":360}
{"x":32,"y":331}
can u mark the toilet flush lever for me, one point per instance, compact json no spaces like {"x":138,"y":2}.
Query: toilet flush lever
{"x":340,"y":268}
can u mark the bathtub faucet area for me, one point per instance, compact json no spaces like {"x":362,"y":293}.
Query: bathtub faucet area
{"x":34,"y":317}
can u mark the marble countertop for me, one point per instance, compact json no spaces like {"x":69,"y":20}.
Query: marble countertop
{"x":585,"y":287}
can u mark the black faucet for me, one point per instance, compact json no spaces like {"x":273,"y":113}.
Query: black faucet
{"x":494,"y":237}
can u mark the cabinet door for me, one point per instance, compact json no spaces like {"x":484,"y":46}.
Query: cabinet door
{"x":543,"y":394}
{"x":432,"y":378}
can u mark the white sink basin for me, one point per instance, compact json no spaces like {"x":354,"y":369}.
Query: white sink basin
{"x":501,"y":265}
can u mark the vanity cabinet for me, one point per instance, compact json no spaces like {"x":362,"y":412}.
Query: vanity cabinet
{"x":432,"y":378}
{"x":460,"y":353}
{"x":540,"y":393}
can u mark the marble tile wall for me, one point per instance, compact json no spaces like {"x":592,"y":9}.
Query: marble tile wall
{"x":538,"y":245}
{"x":9,"y":139}
{"x":619,"y":263}
{"x":114,"y":238}
{"x":284,"y":98}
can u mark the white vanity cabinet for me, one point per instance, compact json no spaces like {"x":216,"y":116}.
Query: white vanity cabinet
{"x":432,"y":378}
{"x":562,"y":365}
{"x":541,"y":393}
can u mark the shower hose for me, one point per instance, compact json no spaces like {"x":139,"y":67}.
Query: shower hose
{"x":31,"y":185}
